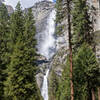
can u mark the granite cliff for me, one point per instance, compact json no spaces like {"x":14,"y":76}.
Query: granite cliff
{"x":9,"y":7}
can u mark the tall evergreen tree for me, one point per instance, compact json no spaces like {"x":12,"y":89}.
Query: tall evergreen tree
{"x":21,"y":82}
{"x":83,"y":32}
{"x":82,"y":23}
{"x":4,"y":30}
{"x":30,"y":43}
{"x":16,"y":25}
{"x":68,"y":4}
{"x":86,"y":72}
{"x":60,"y":14}
{"x":64,"y":12}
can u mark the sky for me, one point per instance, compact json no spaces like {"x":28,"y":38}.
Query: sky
{"x":24,"y":3}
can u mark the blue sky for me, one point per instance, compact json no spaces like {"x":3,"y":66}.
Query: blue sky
{"x":24,"y":3}
{"x":54,"y":0}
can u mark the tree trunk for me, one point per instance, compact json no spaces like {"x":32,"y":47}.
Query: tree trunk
{"x":71,"y":75}
{"x":89,"y":94}
{"x":70,"y":49}
{"x":93,"y":94}
{"x":98,"y":93}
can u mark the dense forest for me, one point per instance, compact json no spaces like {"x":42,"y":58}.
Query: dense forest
{"x":17,"y":55}
{"x":80,"y":79}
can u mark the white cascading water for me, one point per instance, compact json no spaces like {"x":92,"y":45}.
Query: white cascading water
{"x":48,"y":47}
{"x":44,"y":90}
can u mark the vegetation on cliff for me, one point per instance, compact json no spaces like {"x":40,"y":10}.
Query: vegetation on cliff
{"x":85,"y":66}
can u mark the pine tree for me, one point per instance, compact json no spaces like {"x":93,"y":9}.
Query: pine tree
{"x":68,"y":4}
{"x":21,"y":81}
{"x":16,"y":25}
{"x":59,"y":17}
{"x":30,"y":29}
{"x":64,"y":12}
{"x":85,"y":73}
{"x":30,"y":43}
{"x":82,"y":23}
{"x":83,"y":32}
{"x":4,"y":30}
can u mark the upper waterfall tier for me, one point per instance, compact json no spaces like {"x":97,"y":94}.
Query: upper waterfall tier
{"x":46,"y":40}
{"x":45,"y":28}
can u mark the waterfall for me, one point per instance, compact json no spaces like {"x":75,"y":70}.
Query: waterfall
{"x":47,"y":48}
{"x":44,"y":90}
{"x":46,"y":45}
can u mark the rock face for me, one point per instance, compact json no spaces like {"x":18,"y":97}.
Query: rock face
{"x":0,"y":2}
{"x":41,"y":12}
{"x":96,"y":5}
{"x":10,"y":9}
{"x":97,"y":41}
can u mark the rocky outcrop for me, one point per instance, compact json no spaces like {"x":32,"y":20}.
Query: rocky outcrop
{"x":41,"y":12}
{"x":96,"y":5}
{"x":10,"y":9}
{"x":97,"y":41}
{"x":1,"y":1}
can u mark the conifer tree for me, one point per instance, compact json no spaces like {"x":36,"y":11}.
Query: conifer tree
{"x":21,"y":82}
{"x":4,"y":30}
{"x":60,"y":14}
{"x":16,"y":25}
{"x":82,"y":23}
{"x":30,"y":43}
{"x":86,"y":73}
{"x":64,"y":12}
{"x":83,"y":32}
{"x":30,"y":29}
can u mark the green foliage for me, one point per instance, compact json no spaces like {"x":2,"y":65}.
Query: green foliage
{"x":3,"y":13}
{"x":53,"y":86}
{"x":59,"y":7}
{"x":82,"y":24}
{"x":4,"y":30}
{"x":85,"y":72}
{"x":60,"y":14}
{"x":21,"y":81}
{"x":64,"y":87}
{"x":30,"y":30}
{"x":16,"y":25}
{"x":60,"y":85}
{"x":84,"y":62}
